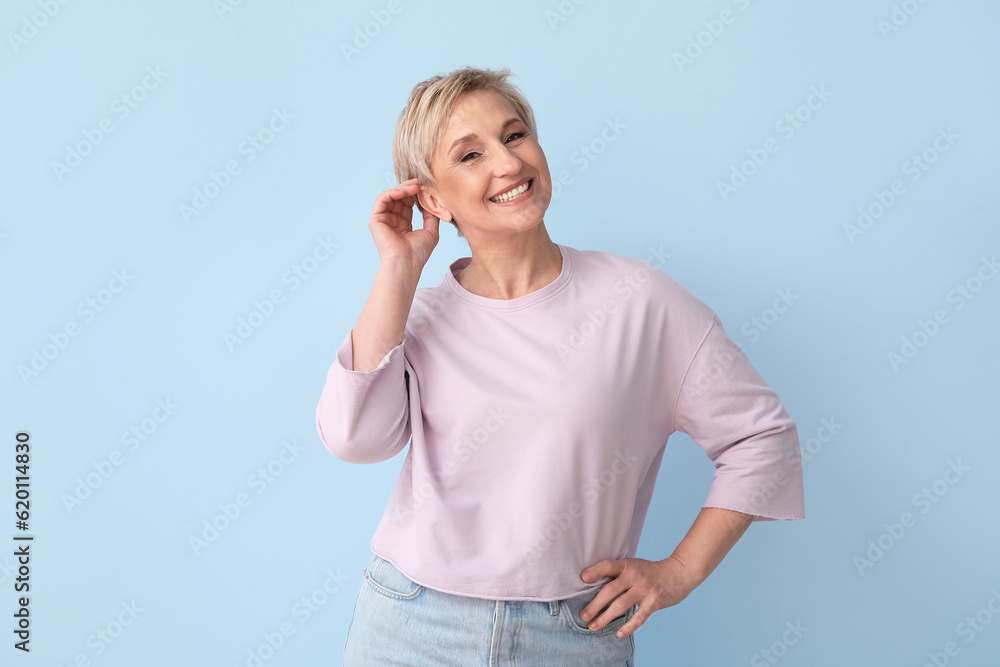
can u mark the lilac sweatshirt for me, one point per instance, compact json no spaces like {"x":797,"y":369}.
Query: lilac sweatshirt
{"x":538,"y":425}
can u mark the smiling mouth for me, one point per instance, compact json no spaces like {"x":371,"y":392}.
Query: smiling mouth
{"x":512,"y":194}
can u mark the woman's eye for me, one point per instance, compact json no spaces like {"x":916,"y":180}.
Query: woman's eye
{"x":470,"y":155}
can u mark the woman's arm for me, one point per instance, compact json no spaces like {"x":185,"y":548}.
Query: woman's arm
{"x":711,"y":536}
{"x":380,"y":326}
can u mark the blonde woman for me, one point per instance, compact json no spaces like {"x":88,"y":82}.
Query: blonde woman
{"x":539,"y":385}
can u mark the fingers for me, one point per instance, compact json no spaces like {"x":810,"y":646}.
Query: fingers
{"x":411,"y":188}
{"x":610,"y":590}
{"x":618,"y":596}
{"x":431,"y":221}
{"x":652,"y":585}
{"x":633,"y":624}
{"x":404,"y":189}
{"x":605,"y":568}
{"x":622,"y":600}
{"x":405,"y":193}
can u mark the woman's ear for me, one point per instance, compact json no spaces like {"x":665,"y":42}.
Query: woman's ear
{"x":429,"y":200}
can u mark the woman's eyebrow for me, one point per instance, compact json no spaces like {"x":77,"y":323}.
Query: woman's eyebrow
{"x":469,"y":137}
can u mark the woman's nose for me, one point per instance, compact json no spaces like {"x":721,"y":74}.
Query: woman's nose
{"x":505,"y":162}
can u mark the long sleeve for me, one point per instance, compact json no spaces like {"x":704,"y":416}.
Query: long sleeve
{"x":729,"y":410}
{"x":363,"y":416}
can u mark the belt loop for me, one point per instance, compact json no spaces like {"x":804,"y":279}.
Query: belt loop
{"x":553,"y":607}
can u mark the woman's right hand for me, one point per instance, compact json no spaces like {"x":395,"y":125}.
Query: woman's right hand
{"x":392,"y":229}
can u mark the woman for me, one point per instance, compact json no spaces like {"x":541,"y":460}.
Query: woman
{"x":539,"y":384}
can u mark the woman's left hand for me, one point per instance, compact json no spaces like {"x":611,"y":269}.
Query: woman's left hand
{"x":652,"y":585}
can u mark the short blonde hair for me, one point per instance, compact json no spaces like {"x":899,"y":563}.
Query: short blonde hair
{"x":422,"y":122}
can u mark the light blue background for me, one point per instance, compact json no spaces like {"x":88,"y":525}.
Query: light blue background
{"x":655,"y":186}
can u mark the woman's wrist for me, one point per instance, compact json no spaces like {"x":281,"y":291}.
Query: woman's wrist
{"x":711,"y":536}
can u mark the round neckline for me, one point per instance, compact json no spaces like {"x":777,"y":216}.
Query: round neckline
{"x":510,"y":304}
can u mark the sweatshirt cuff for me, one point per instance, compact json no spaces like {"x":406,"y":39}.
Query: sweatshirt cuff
{"x":344,"y":360}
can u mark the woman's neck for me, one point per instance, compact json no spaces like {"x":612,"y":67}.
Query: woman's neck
{"x":512,"y":271}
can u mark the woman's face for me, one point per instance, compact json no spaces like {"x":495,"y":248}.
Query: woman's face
{"x":485,"y":152}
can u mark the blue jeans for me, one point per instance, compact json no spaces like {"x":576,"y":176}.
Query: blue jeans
{"x":400,"y":623}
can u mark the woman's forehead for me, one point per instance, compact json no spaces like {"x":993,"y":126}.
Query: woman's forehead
{"x":470,"y":107}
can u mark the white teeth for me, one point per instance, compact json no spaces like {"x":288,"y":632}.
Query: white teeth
{"x":507,"y":196}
